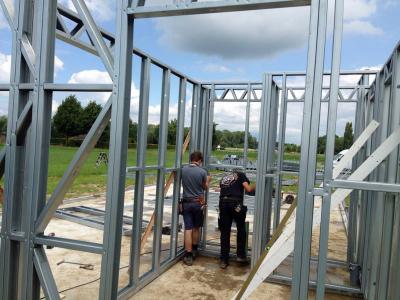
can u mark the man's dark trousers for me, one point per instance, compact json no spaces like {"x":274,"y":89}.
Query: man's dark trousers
{"x":227,"y":214}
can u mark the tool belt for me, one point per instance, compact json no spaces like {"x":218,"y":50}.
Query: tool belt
{"x":230,"y":199}
{"x":200,"y":199}
{"x":187,"y":200}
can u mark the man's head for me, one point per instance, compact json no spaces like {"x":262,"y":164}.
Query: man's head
{"x":196,"y":156}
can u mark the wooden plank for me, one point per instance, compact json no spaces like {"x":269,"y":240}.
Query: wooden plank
{"x":167,"y":185}
{"x":271,"y":242}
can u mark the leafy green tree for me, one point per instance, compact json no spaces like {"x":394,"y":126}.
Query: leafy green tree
{"x":348,"y":136}
{"x":338,"y":144}
{"x":3,"y":125}
{"x":152,"y":134}
{"x":172,"y":125}
{"x":132,"y":132}
{"x":215,"y":136}
{"x":321,"y":144}
{"x":67,"y":119}
{"x":89,"y":115}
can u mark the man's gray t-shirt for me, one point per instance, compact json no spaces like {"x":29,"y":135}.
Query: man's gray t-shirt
{"x":193,"y":178}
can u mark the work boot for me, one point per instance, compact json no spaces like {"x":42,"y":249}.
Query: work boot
{"x":188,"y":259}
{"x":242,"y":260}
{"x":223,"y":264}
{"x":195,"y":251}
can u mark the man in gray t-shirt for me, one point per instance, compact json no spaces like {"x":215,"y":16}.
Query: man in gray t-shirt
{"x":194,"y":182}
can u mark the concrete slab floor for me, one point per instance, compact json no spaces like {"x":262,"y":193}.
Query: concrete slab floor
{"x":205,"y":280}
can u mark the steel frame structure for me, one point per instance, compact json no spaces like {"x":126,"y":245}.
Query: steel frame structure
{"x":374,"y":216}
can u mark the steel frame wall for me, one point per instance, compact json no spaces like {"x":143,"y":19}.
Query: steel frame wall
{"x":23,"y":263}
{"x":375,"y":231}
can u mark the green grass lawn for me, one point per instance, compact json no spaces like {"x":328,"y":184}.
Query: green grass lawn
{"x":93,"y":179}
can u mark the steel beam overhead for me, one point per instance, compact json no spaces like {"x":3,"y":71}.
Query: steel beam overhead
{"x":78,"y":87}
{"x":95,"y":36}
{"x":211,"y":7}
{"x":73,"y":38}
{"x":8,"y":11}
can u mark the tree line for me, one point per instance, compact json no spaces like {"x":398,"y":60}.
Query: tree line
{"x":232,"y":139}
{"x":72,"y":122}
{"x":341,"y":142}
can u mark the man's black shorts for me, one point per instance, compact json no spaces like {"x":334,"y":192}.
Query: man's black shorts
{"x":192,"y":215}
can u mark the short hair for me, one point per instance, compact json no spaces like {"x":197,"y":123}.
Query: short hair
{"x":196,"y":156}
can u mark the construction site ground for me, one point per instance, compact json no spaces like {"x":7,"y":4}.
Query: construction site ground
{"x":203,"y":280}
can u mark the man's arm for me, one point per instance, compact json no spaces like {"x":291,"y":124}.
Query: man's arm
{"x":249,"y":187}
{"x":206,"y":182}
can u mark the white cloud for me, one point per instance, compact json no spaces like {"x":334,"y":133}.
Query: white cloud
{"x":359,"y":9}
{"x":102,"y":10}
{"x":216,"y":68}
{"x":3,"y":22}
{"x":5,"y":67}
{"x":58,"y":65}
{"x":391,"y":3}
{"x":356,"y":15}
{"x":255,"y":34}
{"x":90,"y":76}
{"x":248,"y":35}
{"x":362,"y":28}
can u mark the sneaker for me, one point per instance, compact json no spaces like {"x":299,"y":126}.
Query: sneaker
{"x":242,"y":260}
{"x":223,"y":264}
{"x":188,"y":260}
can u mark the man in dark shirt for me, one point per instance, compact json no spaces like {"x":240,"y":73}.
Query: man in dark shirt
{"x":231,"y":208}
{"x":194,"y":182}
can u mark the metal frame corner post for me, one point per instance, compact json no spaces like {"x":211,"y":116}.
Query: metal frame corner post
{"x":118,"y":153}
{"x":27,"y":149}
{"x":281,"y":150}
{"x":262,"y":214}
{"x":330,"y":147}
{"x":305,"y":207}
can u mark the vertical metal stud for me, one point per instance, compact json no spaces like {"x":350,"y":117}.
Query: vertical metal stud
{"x":141,"y":172}
{"x":281,"y":151}
{"x":246,"y":128}
{"x":330,"y":148}
{"x":207,"y":153}
{"x":162,"y":150}
{"x":263,"y":201}
{"x":118,"y":153}
{"x":305,"y":207}
{"x":178,"y":165}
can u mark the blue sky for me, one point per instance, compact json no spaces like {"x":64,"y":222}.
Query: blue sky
{"x":230,"y":46}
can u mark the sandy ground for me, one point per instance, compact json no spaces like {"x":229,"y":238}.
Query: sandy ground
{"x":204,"y":280}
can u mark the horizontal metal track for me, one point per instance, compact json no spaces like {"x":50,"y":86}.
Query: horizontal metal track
{"x":69,"y":244}
{"x":206,"y":7}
